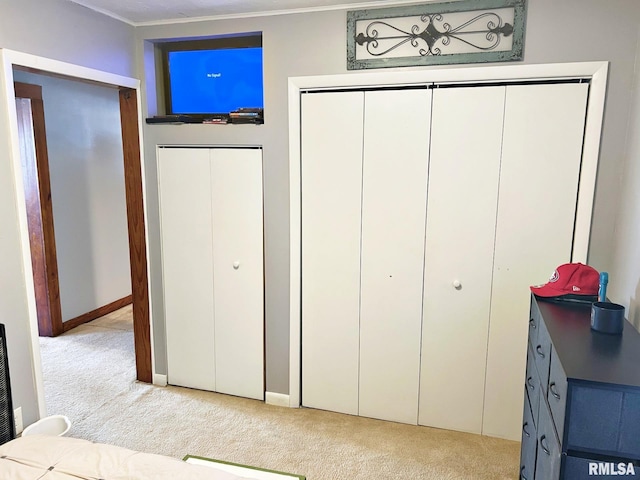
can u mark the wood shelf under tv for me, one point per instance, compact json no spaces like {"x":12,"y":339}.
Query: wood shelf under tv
{"x":202,"y":120}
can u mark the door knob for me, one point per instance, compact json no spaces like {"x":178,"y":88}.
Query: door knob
{"x":457,"y":285}
{"x":236,"y":265}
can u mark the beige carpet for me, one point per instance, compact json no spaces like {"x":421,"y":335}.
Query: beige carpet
{"x":89,"y":376}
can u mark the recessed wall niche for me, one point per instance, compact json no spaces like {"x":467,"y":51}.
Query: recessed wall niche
{"x":206,"y":80}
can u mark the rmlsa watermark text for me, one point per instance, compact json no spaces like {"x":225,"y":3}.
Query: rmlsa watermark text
{"x":604,"y":468}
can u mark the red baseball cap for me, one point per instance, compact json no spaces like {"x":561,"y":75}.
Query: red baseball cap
{"x":570,"y":279}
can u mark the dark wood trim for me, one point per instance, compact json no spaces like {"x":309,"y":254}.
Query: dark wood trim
{"x":137,"y":233}
{"x":27,"y":90}
{"x":37,"y":185}
{"x":49,"y":288}
{"x":97,"y":313}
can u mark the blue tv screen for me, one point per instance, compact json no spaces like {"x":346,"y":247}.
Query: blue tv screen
{"x":215,"y":81}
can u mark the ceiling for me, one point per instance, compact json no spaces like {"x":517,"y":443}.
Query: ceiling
{"x":138,"y":12}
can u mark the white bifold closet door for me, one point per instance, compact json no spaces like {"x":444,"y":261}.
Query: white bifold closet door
{"x":331,"y":217}
{"x":363,"y":214}
{"x":501,"y":211}
{"x":184,"y":177}
{"x":394,"y":203}
{"x":466,"y":140}
{"x":539,"y":175}
{"x":238,"y":278}
{"x":425,"y":219}
{"x":212,"y":257}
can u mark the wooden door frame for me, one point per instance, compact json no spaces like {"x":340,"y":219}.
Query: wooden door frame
{"x":595,"y":72}
{"x":131,"y":121}
{"x":35,"y":169}
{"x":136,"y":220}
{"x":40,"y":218}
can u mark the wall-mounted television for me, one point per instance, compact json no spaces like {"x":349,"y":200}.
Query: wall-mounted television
{"x":209,"y":77}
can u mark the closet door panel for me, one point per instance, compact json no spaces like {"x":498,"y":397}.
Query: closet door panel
{"x":332,"y":127}
{"x":187,"y":265}
{"x":541,"y":157}
{"x":466,"y":140}
{"x":394,"y":196}
{"x":236,"y":192}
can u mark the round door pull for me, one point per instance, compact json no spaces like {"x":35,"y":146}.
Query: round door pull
{"x":457,"y":285}
{"x":236,"y":265}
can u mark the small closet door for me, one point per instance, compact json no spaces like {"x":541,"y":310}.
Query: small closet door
{"x":236,"y":199}
{"x":331,"y":171}
{"x":541,"y":155}
{"x":394,"y":198}
{"x":466,"y":140}
{"x":184,"y":177}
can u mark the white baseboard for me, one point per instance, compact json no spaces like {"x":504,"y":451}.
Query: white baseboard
{"x":278,"y":399}
{"x":159,"y":380}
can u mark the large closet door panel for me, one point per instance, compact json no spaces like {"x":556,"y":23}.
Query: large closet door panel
{"x":394,"y":197}
{"x":187,"y":263}
{"x":331,"y":172}
{"x":542,"y":151}
{"x":466,"y":139}
{"x":236,"y":190}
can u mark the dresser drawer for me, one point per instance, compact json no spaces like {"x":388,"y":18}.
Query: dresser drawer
{"x":629,"y":437}
{"x":529,"y":443}
{"x":574,"y":468}
{"x":603,"y":420}
{"x":557,"y":393}
{"x":542,"y":355}
{"x":548,"y":449}
{"x":532,"y":384}
{"x":594,"y":418}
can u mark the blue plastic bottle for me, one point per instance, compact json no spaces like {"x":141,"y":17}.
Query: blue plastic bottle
{"x":602,"y":290}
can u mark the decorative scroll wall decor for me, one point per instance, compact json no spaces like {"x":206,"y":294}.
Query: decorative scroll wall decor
{"x":466,"y":31}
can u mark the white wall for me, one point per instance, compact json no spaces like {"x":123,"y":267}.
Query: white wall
{"x":84,"y":143}
{"x":315,"y":43}
{"x":68,"y":32}
{"x":624,"y":276}
{"x":63,"y":31}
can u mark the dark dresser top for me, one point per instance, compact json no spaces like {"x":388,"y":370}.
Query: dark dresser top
{"x":588,"y":355}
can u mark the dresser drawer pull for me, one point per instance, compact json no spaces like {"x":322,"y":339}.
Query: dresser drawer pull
{"x":522,"y":477}
{"x":530,"y":383}
{"x":552,"y":389}
{"x":544,"y":449}
{"x":539,"y":351}
{"x":524,"y":429}
{"x":532,"y":323}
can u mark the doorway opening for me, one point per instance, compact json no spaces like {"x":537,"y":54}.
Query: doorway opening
{"x":128,"y":96}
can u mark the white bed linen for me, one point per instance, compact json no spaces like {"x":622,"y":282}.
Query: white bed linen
{"x":43,"y":457}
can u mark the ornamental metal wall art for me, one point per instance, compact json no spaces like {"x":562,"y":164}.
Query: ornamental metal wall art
{"x":466,"y":31}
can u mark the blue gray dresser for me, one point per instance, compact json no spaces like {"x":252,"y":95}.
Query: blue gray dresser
{"x":582,"y":397}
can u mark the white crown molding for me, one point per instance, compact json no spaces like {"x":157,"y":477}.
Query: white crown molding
{"x":104,"y":12}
